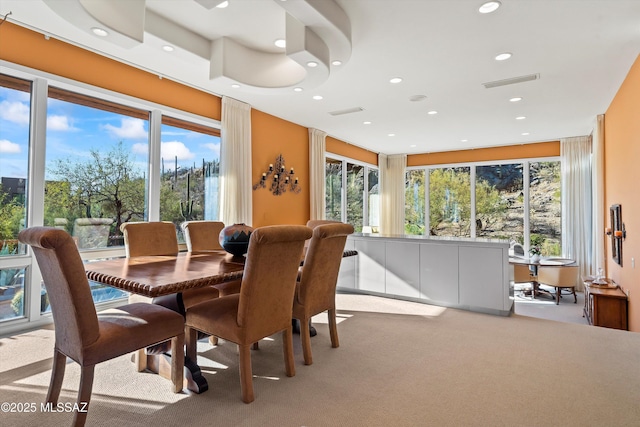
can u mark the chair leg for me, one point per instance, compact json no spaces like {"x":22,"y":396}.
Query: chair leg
{"x":558,"y":291}
{"x":287,"y":346}
{"x":57,"y":375}
{"x":305,"y":339}
{"x":191,"y":340}
{"x":575,"y":297}
{"x":84,"y":395}
{"x":246,"y":375}
{"x":213,"y":340}
{"x":333,"y":328}
{"x":141,"y":360}
{"x":255,"y":346}
{"x":177,"y":362}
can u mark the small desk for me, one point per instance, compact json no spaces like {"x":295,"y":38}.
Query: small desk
{"x":551,"y":262}
{"x":605,"y":305}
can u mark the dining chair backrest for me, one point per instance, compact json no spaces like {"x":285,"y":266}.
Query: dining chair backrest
{"x":269,"y":278}
{"x":565,"y":276}
{"x":72,"y":307}
{"x":313,"y":223}
{"x":522,"y":274}
{"x":150,"y":238}
{"x":202,"y":235}
{"x":321,"y":266}
{"x":518,"y":249}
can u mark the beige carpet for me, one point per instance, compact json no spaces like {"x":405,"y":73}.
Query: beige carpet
{"x":399,"y":364}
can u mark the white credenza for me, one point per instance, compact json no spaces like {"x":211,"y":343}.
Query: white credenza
{"x":471,"y":274}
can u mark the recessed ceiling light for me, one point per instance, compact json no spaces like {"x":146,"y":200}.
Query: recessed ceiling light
{"x":503,"y":56}
{"x":392,"y":134}
{"x":312,"y":64}
{"x":516,"y":99}
{"x":235,"y":86}
{"x":432,"y":112}
{"x":336,"y":62}
{"x":99,"y":32}
{"x":520,"y":118}
{"x":366,"y":123}
{"x":490,"y":6}
{"x":317,"y":97}
{"x":297,"y":89}
{"x":464,"y":140}
{"x":395,"y":80}
{"x":167,"y":48}
{"x":413,"y":146}
{"x":223,"y":5}
{"x":525,"y":133}
{"x":280,"y":43}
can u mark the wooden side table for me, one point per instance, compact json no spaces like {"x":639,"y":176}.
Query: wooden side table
{"x":605,"y":305}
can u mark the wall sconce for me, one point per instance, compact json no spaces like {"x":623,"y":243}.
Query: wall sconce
{"x":282,"y":180}
{"x":617,"y":232}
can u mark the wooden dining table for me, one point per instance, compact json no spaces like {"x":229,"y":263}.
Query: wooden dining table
{"x":163,"y":278}
{"x":535,"y":263}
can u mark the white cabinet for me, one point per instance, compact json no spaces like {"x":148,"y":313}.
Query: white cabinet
{"x":402,"y":275}
{"x":470,"y":274}
{"x":439,"y":273}
{"x":370,"y":273}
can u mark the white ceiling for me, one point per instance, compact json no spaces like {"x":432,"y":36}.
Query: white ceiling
{"x":444,"y":49}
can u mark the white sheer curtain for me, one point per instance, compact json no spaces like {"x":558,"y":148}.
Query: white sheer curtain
{"x":392,"y":180}
{"x":317,"y":189}
{"x":235,"y":163}
{"x":576,"y":201}
{"x":598,"y":214}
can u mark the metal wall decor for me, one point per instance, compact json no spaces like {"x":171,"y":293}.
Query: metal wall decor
{"x":282,"y":179}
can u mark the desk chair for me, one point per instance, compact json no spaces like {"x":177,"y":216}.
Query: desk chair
{"x":559,"y":277}
{"x":263,"y":306}
{"x":316,"y":290}
{"x":522,"y":274}
{"x":83,"y":335}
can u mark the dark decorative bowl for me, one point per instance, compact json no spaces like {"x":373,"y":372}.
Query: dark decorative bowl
{"x":235,"y":239}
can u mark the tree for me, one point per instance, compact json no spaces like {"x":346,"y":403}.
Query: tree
{"x":11,"y":212}
{"x":449,"y":201}
{"x":107,"y":185}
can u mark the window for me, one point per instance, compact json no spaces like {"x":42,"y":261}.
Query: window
{"x":361,"y":184}
{"x":190,"y":169}
{"x":97,"y":158}
{"x":519,"y":202}
{"x":103,"y":160}
{"x":450,"y":202}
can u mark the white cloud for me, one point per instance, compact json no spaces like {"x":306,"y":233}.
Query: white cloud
{"x":140,"y":148}
{"x":171,"y":149}
{"x":9,"y":147}
{"x":16,"y":112}
{"x":59,"y":123}
{"x":129,"y":128}
{"x":213,"y":147}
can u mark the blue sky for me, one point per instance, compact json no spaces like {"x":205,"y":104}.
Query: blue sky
{"x":73,"y":130}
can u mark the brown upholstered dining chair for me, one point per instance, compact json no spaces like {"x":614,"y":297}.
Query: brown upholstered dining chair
{"x":313,"y":223}
{"x":156,"y":239}
{"x":316,"y":290}
{"x":559,"y":277}
{"x":263,"y":306}
{"x":83,"y":335}
{"x":202,"y":236}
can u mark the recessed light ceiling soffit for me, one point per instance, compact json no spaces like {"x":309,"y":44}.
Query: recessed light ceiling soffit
{"x":316,"y":31}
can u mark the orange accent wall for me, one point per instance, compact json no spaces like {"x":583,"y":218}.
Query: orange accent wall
{"x":508,"y":152}
{"x":622,"y":178}
{"x":30,"y":49}
{"x":336,"y":146}
{"x":271,"y":136}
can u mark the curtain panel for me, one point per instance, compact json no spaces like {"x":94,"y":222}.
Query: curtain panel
{"x":236,"y":205}
{"x":317,"y":190}
{"x":577,"y":202}
{"x":392,"y":182}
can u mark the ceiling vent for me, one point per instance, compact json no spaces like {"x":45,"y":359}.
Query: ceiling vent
{"x":511,"y":81}
{"x":347,"y":111}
